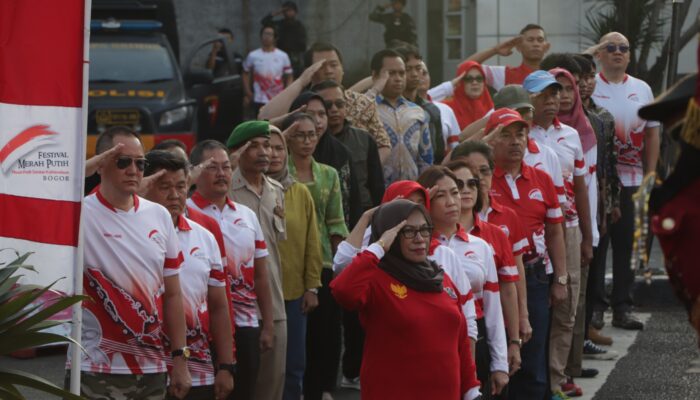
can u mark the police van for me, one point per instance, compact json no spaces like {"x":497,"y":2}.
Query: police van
{"x":136,"y":77}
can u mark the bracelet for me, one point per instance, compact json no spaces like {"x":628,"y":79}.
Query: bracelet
{"x":381,"y":244}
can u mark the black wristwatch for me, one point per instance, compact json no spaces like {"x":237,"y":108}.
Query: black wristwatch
{"x":228,"y":367}
{"x":184,"y":352}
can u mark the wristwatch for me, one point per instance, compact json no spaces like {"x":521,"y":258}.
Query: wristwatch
{"x":518,"y":341}
{"x":563,"y":280}
{"x":228,"y":367}
{"x":313,"y":290}
{"x":184,"y":352}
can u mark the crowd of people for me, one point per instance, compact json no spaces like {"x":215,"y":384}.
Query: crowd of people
{"x":438,"y":242}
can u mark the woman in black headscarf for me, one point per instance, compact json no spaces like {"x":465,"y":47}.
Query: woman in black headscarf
{"x":416,"y":344}
{"x":333,"y":152}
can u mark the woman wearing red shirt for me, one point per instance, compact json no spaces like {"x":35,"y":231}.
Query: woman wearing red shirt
{"x":416,"y":344}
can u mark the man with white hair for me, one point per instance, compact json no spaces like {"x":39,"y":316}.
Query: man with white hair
{"x":637,"y":145}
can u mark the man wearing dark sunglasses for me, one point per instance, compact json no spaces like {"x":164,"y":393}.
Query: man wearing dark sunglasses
{"x":131,"y":254}
{"x":637,"y":143}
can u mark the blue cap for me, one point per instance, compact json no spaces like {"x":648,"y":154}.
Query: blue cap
{"x":539,"y":81}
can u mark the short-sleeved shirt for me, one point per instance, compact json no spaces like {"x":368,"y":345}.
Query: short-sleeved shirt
{"x":325,"y":190}
{"x":542,"y":157}
{"x":623,"y":100}
{"x":201,"y":269}
{"x":270,"y":211}
{"x":533,"y":197}
{"x":268,"y":70}
{"x":566,"y":143}
{"x":506,"y":219}
{"x":128,"y":254}
{"x":499,"y":76}
{"x":501,"y":248}
{"x":244,"y":243}
{"x":411,"y":149}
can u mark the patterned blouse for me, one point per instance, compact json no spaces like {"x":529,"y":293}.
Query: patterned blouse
{"x":325,"y":190}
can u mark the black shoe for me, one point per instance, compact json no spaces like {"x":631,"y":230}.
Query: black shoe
{"x":597,"y":320}
{"x":588,"y":373}
{"x":627,"y":321}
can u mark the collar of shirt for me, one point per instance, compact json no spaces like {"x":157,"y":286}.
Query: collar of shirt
{"x":402,"y":101}
{"x":532,"y":146}
{"x":524,"y":172}
{"x":478,"y":226}
{"x":182,"y":224}
{"x":624,"y":80}
{"x":203,"y":203}
{"x":108,"y":205}
{"x":460,"y":234}
{"x":238,"y":181}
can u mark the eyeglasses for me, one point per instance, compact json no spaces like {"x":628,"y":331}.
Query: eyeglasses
{"x":425,"y":231}
{"x":214,"y":168}
{"x":611,"y":48}
{"x":339,"y":103}
{"x":471,"y":79}
{"x":302,"y":137}
{"x":124,"y":162}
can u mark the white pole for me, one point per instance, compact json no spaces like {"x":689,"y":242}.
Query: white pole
{"x":76,"y":328}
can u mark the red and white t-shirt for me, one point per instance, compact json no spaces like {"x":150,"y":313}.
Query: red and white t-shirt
{"x":501,"y":248}
{"x":566,"y":143}
{"x":477,"y":259}
{"x":244,"y":241}
{"x":542,"y":157}
{"x":268,"y":70}
{"x":624,"y":100}
{"x":533,"y":197}
{"x":201,"y":269}
{"x":127,"y":256}
{"x":506,"y":219}
{"x":498,"y":76}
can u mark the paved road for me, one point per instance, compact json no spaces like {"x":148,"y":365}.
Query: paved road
{"x":661,"y":362}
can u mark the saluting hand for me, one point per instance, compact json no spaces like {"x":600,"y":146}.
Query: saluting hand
{"x":389,"y":236}
{"x":99,"y":160}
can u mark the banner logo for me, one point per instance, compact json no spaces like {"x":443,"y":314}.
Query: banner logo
{"x":24,"y":143}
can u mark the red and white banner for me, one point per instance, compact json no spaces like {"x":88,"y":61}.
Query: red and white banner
{"x":42,"y":139}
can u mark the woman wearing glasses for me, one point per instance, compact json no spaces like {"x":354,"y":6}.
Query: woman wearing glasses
{"x":471,"y":100}
{"x":477,"y":259}
{"x":416,"y":344}
{"x":323,"y":357}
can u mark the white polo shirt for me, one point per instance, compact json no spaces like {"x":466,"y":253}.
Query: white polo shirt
{"x":127,"y":256}
{"x":244,"y":241}
{"x":542,"y":157}
{"x":201,"y":269}
{"x":566,"y":143}
{"x":477,"y":260}
{"x":624,"y":100}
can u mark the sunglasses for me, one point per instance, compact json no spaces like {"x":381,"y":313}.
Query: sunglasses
{"x":338,"y":103}
{"x":611,"y":48}
{"x":124,"y":162}
{"x":471,"y":79}
{"x":471,"y":183}
{"x":410,"y":233}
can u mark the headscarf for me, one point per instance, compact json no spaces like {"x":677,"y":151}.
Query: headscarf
{"x":468,"y":110}
{"x":576,"y":117}
{"x":425,"y":276}
{"x":282,"y":176}
{"x":405,"y":189}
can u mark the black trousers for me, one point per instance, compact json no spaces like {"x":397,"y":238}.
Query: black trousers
{"x":354,"y":340}
{"x":248,"y":363}
{"x":621,"y":239}
{"x":596,"y":299}
{"x":323,"y":343}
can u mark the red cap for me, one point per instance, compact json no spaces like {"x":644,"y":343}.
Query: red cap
{"x":505,"y":117}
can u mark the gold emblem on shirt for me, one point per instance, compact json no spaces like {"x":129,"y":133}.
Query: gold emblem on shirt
{"x":400,"y":291}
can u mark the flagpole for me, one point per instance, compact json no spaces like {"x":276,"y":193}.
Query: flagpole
{"x":76,"y":328}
